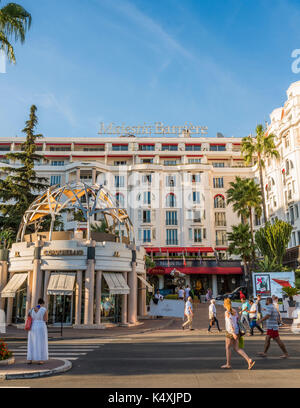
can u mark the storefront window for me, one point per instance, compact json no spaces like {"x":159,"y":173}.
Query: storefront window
{"x":110,"y":305}
{"x":19,"y":305}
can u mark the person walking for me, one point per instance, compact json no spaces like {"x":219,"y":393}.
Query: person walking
{"x":259,"y":310}
{"x":37,"y":345}
{"x":188,"y":312}
{"x":272,"y":329}
{"x":212,"y":314}
{"x":242,"y":296}
{"x":187,"y":291}
{"x":181,"y":293}
{"x":253,"y":318}
{"x":245,"y":314}
{"x":276,"y":305}
{"x":232,"y":336}
{"x":208,"y":295}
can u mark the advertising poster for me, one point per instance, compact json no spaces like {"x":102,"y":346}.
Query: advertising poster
{"x":271,"y":283}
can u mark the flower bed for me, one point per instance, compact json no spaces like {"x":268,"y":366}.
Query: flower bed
{"x":5,"y":354}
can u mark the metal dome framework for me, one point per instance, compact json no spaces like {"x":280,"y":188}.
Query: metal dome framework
{"x":90,"y":199}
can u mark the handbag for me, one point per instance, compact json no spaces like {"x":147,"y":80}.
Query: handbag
{"x":28,"y":322}
{"x":241,"y":342}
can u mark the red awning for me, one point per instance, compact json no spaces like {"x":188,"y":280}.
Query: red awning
{"x":180,"y":249}
{"x":282,"y":282}
{"x":200,"y":270}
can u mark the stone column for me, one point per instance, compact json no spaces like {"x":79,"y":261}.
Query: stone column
{"x":78,"y":297}
{"x":214,"y":285}
{"x":89,"y":286}
{"x":28,"y":292}
{"x":98,"y":297}
{"x":3,"y":280}
{"x":93,"y":176}
{"x":46,"y":282}
{"x":132,"y":298}
{"x":36,"y":274}
{"x":77,"y":175}
{"x":142,"y":298}
{"x":9,"y":310}
{"x":124,"y":303}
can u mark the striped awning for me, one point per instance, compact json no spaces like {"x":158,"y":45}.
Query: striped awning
{"x":61,"y":283}
{"x":14,"y":284}
{"x":149,"y":286}
{"x":116,"y":283}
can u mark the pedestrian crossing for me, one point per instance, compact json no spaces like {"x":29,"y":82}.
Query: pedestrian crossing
{"x":67,"y":351}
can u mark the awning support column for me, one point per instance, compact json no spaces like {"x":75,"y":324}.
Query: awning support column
{"x":98,"y":297}
{"x":124,"y":303}
{"x":214,"y":285}
{"x":132,"y":283}
{"x":78,"y":297}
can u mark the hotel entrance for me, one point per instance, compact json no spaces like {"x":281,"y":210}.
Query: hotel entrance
{"x":61,"y":309}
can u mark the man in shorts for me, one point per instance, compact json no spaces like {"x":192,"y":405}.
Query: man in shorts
{"x":272,"y":329}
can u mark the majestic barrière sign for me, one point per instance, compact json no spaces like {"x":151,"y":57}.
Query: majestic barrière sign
{"x":158,"y":128}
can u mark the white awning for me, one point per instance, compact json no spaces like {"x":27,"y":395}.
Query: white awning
{"x":14,"y":284}
{"x":150,"y":287}
{"x":61,"y":283}
{"x":116,"y":283}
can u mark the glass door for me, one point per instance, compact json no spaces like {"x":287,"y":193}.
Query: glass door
{"x":61,"y":309}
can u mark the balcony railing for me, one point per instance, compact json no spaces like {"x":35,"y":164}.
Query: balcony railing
{"x":172,"y":242}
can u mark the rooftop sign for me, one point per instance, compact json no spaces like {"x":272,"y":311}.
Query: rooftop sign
{"x":158,"y":128}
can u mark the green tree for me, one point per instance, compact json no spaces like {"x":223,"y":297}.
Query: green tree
{"x":21,"y":185}
{"x":240,"y":244}
{"x":99,"y":228}
{"x":260,"y":147}
{"x":272,"y":240}
{"x":6,"y":238}
{"x":246,"y":198}
{"x":14,"y":23}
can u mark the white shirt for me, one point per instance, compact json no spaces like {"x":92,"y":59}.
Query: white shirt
{"x":187,"y":292}
{"x":253,"y":311}
{"x":158,"y":296}
{"x":181,"y":293}
{"x":188,"y":305}
{"x":212,"y":311}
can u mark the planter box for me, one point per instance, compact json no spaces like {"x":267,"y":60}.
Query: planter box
{"x":8,"y":361}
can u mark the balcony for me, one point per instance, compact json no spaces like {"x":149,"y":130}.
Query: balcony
{"x":221,"y":242}
{"x":172,"y":242}
{"x":196,"y":263}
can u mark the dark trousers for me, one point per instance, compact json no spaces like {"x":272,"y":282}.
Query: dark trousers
{"x":254,"y":324}
{"x":212,"y":322}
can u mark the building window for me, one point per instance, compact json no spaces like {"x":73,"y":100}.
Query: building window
{"x":218,"y":182}
{"x":196,"y":216}
{"x":169,"y":147}
{"x":119,"y":181}
{"x":120,"y":200}
{"x":147,"y":235}
{"x":117,"y":148}
{"x":194,"y":161}
{"x":94,"y":149}
{"x":218,"y":164}
{"x":60,"y":149}
{"x":257,"y":220}
{"x":196,"y":178}
{"x":172,"y":238}
{"x":147,"y":178}
{"x":148,"y":147}
{"x":170,"y":162}
{"x":120,"y":163}
{"x":171,"y":200}
{"x":146,"y":216}
{"x":219,"y":201}
{"x":147,"y":161}
{"x":221,"y":238}
{"x":220,"y":219}
{"x":55,"y":180}
{"x":197,"y":235}
{"x":192,"y":147}
{"x":147,"y":197}
{"x":217,"y":148}
{"x":57,"y":163}
{"x":171,"y":217}
{"x":196,"y":197}
{"x":170,"y":181}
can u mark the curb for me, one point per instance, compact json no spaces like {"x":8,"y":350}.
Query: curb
{"x":45,"y":373}
{"x":169,"y":323}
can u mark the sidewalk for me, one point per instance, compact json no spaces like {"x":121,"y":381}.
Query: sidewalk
{"x":20,"y":369}
{"x":13,"y":333}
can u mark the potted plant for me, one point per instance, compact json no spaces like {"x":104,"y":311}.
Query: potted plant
{"x":291,"y":292}
{"x":6,"y":356}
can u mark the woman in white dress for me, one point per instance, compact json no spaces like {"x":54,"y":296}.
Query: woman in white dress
{"x":37,"y":346}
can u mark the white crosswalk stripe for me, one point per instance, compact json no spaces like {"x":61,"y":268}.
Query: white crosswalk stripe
{"x":70,"y":352}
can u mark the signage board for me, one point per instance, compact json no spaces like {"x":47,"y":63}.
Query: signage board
{"x":167,"y":307}
{"x":271,"y":283}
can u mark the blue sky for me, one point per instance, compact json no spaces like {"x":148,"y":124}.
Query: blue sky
{"x":225,"y":64}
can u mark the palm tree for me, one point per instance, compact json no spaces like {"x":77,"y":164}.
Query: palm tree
{"x":246,"y":197}
{"x":14,"y":22}
{"x":240,"y":243}
{"x":262,"y":147}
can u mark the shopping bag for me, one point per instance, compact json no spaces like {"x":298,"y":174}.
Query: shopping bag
{"x":28,"y":323}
